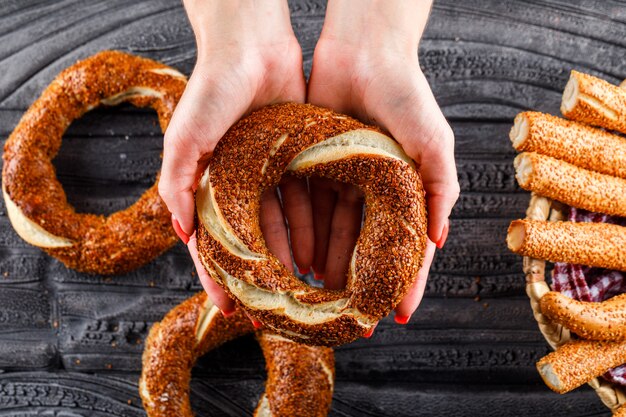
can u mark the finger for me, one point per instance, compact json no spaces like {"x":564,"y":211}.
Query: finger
{"x":199,"y":121}
{"x":344,"y":232}
{"x":212,"y":288}
{"x":411,"y":301}
{"x":442,"y":191}
{"x":434,"y":154}
{"x":323,"y":199}
{"x":177,"y":178}
{"x":297,"y":208}
{"x":273,"y":227}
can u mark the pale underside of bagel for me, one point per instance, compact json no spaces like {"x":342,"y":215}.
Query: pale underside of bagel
{"x":286,"y":304}
{"x":30,"y":231}
{"x":171,"y":72}
{"x":130,"y":93}
{"x":351,"y":143}
{"x":359,"y":142}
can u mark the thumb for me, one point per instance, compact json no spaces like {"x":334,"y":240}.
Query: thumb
{"x":200,"y":120}
{"x":427,"y":138}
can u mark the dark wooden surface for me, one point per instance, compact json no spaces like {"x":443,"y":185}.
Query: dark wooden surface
{"x":70,"y":343}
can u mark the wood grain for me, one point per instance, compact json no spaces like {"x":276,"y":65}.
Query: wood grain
{"x":70,"y":344}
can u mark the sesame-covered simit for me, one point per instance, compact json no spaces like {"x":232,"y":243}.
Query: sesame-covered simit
{"x":579,"y":361}
{"x":305,"y":140}
{"x":300,"y":378}
{"x":594,"y":101}
{"x":593,"y":244}
{"x":573,"y":142}
{"x":571,"y":184}
{"x":35,"y":200}
{"x":605,"y":320}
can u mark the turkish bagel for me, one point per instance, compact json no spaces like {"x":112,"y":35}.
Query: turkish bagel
{"x":300,"y":378}
{"x":305,"y":140}
{"x":35,"y":200}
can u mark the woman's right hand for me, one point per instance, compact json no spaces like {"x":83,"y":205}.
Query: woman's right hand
{"x":248,"y":57}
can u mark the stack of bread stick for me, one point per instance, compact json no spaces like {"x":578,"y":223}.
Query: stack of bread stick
{"x":579,"y":165}
{"x":580,"y":162}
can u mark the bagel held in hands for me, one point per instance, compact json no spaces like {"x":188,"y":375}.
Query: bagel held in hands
{"x":310,"y":141}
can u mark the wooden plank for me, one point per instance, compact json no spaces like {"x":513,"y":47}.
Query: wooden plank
{"x":471,"y":347}
{"x":34,"y":393}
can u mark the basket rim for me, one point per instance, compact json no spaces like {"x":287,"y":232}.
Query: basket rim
{"x":543,"y":208}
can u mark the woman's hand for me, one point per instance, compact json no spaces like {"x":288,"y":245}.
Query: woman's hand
{"x":366,"y":65}
{"x":248,"y":57}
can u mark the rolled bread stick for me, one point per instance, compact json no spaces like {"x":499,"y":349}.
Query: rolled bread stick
{"x":578,"y":362}
{"x":573,"y":142}
{"x":605,"y":320}
{"x":594,"y":101}
{"x":592,"y":244}
{"x":570,"y":184}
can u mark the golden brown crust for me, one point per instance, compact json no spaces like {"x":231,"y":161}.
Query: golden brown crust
{"x":300,"y":378}
{"x":594,"y":101}
{"x":573,"y":142}
{"x":570,"y":184}
{"x":604,"y":320}
{"x":124,"y":240}
{"x":579,"y":361}
{"x":308,"y":140}
{"x":593,"y":244}
{"x":171,"y":349}
{"x":620,"y":412}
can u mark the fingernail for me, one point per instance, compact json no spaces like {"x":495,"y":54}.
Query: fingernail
{"x":369,"y":333}
{"x":256,"y":324}
{"x":304,"y":271}
{"x":444,"y":235}
{"x":179,"y":230}
{"x":402,"y":319}
{"x":317,"y":275}
{"x":228,"y":313}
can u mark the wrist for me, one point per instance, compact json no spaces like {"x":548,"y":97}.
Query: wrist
{"x":389,"y":26}
{"x":238,"y":25}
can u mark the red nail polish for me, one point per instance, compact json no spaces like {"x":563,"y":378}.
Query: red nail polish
{"x":228,"y":313}
{"x":444,"y":235}
{"x":256,"y":324}
{"x":369,"y":333}
{"x":402,"y":319}
{"x":319,"y":277}
{"x":179,"y":230}
{"x":304,"y":271}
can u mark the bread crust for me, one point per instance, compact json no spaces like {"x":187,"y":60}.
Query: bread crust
{"x":36,"y":203}
{"x":594,"y":101}
{"x":570,"y":184}
{"x":307,"y":140}
{"x":300,"y":378}
{"x":579,"y":361}
{"x":604,"y":320}
{"x":593,"y":244}
{"x":573,"y":142}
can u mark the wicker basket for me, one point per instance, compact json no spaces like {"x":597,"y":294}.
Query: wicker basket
{"x":542,"y":208}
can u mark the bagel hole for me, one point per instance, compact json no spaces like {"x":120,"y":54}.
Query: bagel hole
{"x":109,"y":157}
{"x":227,"y":366}
{"x":348,"y":203}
